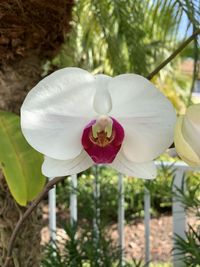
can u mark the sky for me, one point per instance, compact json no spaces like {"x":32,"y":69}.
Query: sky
{"x":183,"y":27}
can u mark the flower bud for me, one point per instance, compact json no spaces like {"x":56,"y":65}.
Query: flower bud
{"x":187,"y":136}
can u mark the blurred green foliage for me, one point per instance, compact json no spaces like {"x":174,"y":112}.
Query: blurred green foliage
{"x":189,"y":247}
{"x":82,"y":249}
{"x":160,"y":190}
{"x":115,"y":37}
{"x":103,"y":211}
{"x":123,"y":36}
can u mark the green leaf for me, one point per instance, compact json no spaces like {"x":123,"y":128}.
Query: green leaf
{"x":21,"y":164}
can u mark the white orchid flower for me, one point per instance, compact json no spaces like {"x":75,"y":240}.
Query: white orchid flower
{"x":187,"y":136}
{"x":76,"y":120}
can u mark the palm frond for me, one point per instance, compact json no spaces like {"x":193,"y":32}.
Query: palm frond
{"x":120,"y":36}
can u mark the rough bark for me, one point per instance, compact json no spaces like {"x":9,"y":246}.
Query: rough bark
{"x":16,"y":80}
{"x":37,"y":25}
{"x":30,"y":32}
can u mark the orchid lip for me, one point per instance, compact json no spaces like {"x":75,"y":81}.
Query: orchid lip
{"x":102,"y":139}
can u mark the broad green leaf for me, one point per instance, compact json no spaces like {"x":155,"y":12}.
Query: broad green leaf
{"x":20,"y":163}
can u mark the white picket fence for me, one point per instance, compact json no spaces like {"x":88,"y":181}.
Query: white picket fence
{"x":178,"y":212}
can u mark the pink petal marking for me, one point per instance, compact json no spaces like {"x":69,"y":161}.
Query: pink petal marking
{"x":103,"y":149}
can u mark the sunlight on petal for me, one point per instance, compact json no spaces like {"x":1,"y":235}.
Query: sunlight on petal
{"x":102,"y":99}
{"x":147,"y":116}
{"x":56,"y":110}
{"x":53,"y":135}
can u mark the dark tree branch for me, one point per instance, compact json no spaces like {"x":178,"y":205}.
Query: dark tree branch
{"x":174,"y":54}
{"x":54,"y":181}
{"x":27,"y":213}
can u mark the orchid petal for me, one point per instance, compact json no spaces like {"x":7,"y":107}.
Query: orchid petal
{"x":56,"y":110}
{"x":55,"y":136}
{"x":146,"y":170}
{"x":102,"y":99}
{"x":53,"y":168}
{"x":146,"y":114}
{"x":183,"y":148}
{"x":193,"y":114}
{"x":191,"y":127}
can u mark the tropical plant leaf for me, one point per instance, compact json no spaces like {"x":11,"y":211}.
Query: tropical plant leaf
{"x":140,"y":33}
{"x":21,"y":165}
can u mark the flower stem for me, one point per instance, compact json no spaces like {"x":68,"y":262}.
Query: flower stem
{"x":173,"y":55}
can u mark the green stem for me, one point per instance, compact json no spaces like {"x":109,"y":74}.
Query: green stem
{"x":174,"y":54}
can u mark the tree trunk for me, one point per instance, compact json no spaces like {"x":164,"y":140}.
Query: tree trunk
{"x":15,"y":81}
{"x":30,"y":32}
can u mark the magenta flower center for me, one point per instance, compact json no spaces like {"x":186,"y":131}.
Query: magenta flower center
{"x":102,"y":139}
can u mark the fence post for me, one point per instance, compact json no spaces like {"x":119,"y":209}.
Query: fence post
{"x":52,"y":212}
{"x":96,"y":214}
{"x":96,"y":195}
{"x":73,"y":200}
{"x":179,"y":217}
{"x":147,"y":225}
{"x":121,"y":214}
